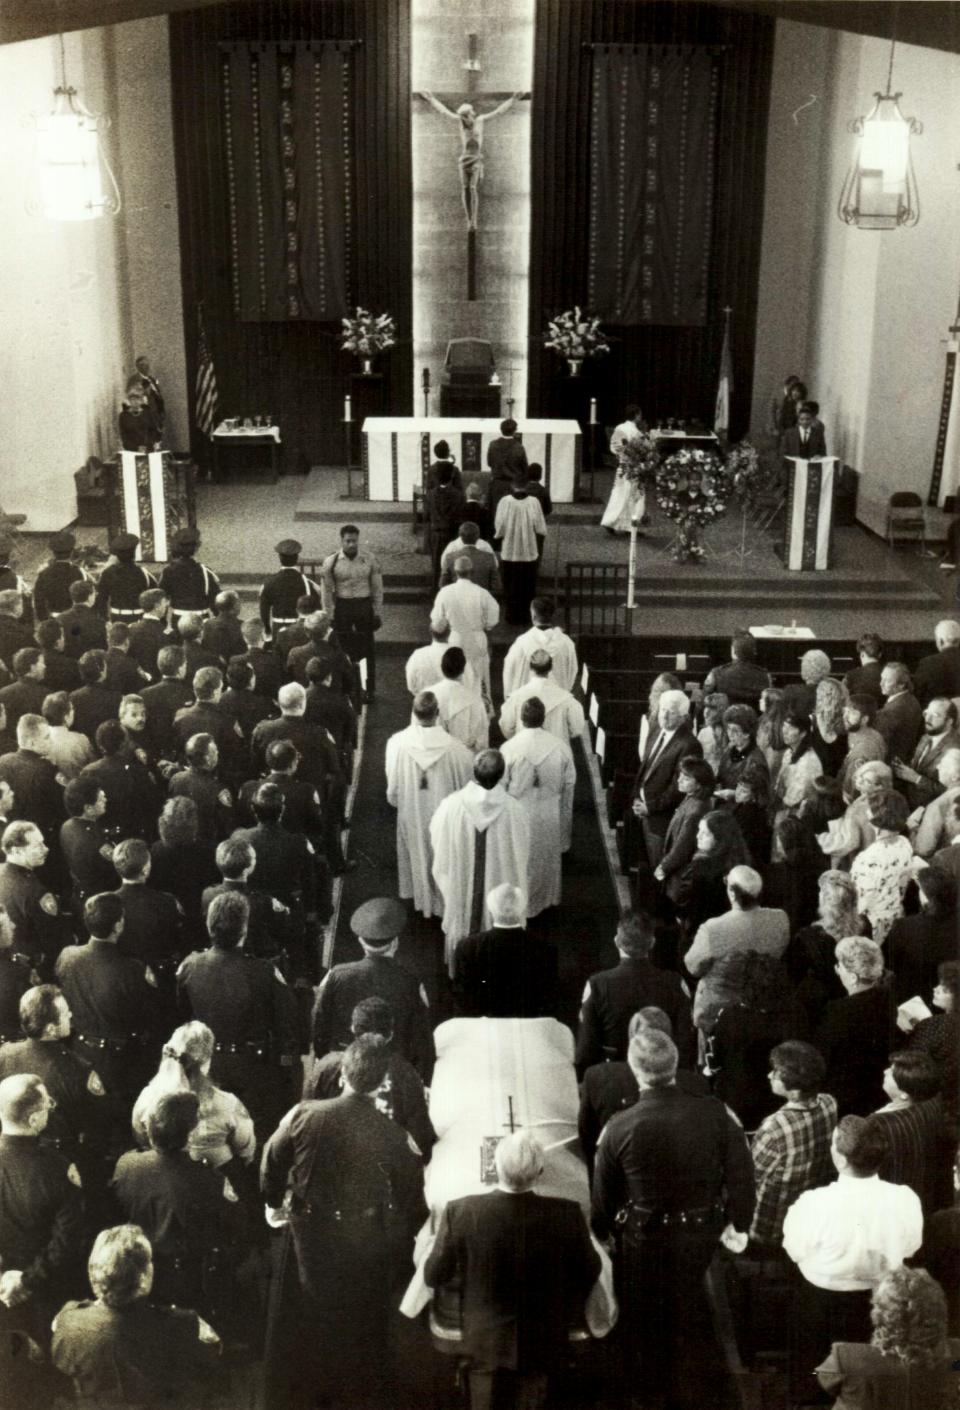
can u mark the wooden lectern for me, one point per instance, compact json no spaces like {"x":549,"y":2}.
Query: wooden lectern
{"x":808,"y":522}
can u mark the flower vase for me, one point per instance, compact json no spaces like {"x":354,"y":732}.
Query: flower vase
{"x":367,"y":366}
{"x":575,"y":364}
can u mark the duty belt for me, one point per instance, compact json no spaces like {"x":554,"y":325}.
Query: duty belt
{"x":335,"y":1215}
{"x":126,"y":611}
{"x":283,"y":621}
{"x":107,"y":1045}
{"x":203,"y":612}
{"x":636,"y":1218}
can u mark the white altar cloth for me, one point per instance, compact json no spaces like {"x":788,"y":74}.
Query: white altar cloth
{"x":396,"y":451}
{"x":481,"y":1062}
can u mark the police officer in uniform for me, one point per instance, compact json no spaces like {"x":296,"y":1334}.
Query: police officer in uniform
{"x":190,"y":586}
{"x":377,"y":924}
{"x":353,"y":597}
{"x":113,"y":1000}
{"x":247,"y":1005}
{"x":355,"y":1203}
{"x":51,"y":591}
{"x":41,"y":1217}
{"x":280,"y":593}
{"x":29,"y":903}
{"x":151,"y":634}
{"x":121,"y":583}
{"x":86,"y":849}
{"x":673,"y":1174}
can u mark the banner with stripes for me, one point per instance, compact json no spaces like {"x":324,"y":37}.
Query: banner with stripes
{"x":945,"y":478}
{"x":809,"y":518}
{"x":207,"y":398}
{"x":150,"y":503}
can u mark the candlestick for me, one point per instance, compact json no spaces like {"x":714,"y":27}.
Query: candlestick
{"x":593,"y":411}
{"x":347,"y":410}
{"x":632,"y":568}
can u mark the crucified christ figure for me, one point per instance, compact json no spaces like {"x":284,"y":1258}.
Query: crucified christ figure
{"x":470,"y":160}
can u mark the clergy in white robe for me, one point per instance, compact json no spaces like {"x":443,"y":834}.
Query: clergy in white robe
{"x":480,"y":837}
{"x":462,"y":711}
{"x":425,"y":764}
{"x":542,"y":636}
{"x":423,"y":665}
{"x":541,"y":775}
{"x":519,"y":532}
{"x":470,"y":612}
{"x":564,"y":714}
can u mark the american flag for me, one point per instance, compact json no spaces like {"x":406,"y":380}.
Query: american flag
{"x":721,"y":415}
{"x":207,"y":398}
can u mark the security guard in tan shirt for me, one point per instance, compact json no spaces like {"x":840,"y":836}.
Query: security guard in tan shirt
{"x":353,"y":596}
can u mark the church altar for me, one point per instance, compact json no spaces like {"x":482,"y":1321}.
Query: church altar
{"x":396,"y":451}
{"x":493,"y":1074}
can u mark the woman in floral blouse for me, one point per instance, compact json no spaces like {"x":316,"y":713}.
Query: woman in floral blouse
{"x":882,"y":870}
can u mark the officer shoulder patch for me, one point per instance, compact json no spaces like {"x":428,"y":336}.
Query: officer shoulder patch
{"x":73,"y":1175}
{"x":94,"y":1086}
{"x":48,"y":904}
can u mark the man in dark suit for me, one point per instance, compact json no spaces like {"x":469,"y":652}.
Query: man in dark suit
{"x":504,"y":972}
{"x":151,"y":634}
{"x":206,"y":717}
{"x":525,"y":1265}
{"x":900,"y":722}
{"x":939,"y":673}
{"x":61,"y":672}
{"x":268,"y":671}
{"x":83,"y":628}
{"x":865,"y":678}
{"x":163,"y":700}
{"x":918,"y":778}
{"x":805,"y":440}
{"x":655,"y":791}
{"x":93,"y":702}
{"x":612,"y":997}
{"x":355,"y":1201}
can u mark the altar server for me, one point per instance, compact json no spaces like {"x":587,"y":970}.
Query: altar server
{"x":470,"y":612}
{"x":564,"y":714}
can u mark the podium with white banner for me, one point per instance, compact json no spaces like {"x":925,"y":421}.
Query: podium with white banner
{"x":154,"y":492}
{"x":808,"y":521}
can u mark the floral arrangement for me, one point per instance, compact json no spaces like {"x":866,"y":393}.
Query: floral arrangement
{"x":576,"y":334}
{"x":366,"y":334}
{"x":746,"y":473}
{"x":639,"y":459}
{"x":692,"y":490}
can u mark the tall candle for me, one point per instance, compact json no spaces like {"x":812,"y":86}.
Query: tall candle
{"x":347,"y":410}
{"x":593,"y":411}
{"x":632,"y":568}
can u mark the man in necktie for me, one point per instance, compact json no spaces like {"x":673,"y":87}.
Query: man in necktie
{"x":919,"y":778}
{"x":806,"y":440}
{"x":655,"y":790}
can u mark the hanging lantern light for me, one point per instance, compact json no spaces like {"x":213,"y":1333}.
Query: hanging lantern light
{"x":72,"y":179}
{"x":880,"y":190}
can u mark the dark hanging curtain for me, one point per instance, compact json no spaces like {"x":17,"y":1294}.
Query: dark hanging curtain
{"x":670,"y":367}
{"x":653,"y":126}
{"x":288,"y":150}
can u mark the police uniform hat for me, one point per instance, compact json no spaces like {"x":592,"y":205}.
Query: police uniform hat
{"x":186,"y":538}
{"x":64,"y":542}
{"x":288,"y":548}
{"x":379,"y":920}
{"x":123,"y":543}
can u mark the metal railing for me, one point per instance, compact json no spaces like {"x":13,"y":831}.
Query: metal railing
{"x":595,"y":599}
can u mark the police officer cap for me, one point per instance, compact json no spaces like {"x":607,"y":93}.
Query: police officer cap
{"x":123,"y":543}
{"x":64,"y":542}
{"x":288,"y":548}
{"x":186,"y":538}
{"x":379,"y":920}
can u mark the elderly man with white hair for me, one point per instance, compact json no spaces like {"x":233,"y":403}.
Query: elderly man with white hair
{"x":504,"y":972}
{"x":939,"y":673}
{"x":470,"y":612}
{"x":856,"y":1034}
{"x":319,"y":758}
{"x":655,"y":790}
{"x":564,"y":714}
{"x":717,"y":955}
{"x":542,"y":775}
{"x":525,"y":1264}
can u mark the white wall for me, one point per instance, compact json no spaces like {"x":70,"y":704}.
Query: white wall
{"x":860,"y":314}
{"x":75,"y":299}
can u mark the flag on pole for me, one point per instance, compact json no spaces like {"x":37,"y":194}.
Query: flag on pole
{"x":945,"y":480}
{"x":207,"y":398}
{"x":721,"y":415}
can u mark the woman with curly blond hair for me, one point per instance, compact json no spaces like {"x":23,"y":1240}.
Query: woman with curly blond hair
{"x":909,"y":1361}
{"x":810,"y":958}
{"x":829,"y":730}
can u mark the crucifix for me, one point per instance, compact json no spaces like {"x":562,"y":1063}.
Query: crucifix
{"x":471,"y":124}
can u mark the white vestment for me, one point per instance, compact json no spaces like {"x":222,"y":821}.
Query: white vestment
{"x":470,"y":611}
{"x":564,"y":716}
{"x":424,"y":765}
{"x":628,"y":500}
{"x":454,"y":831}
{"x":541,"y":774}
{"x":557,"y":645}
{"x":462,"y":713}
{"x":518,"y":522}
{"x":423,"y":668}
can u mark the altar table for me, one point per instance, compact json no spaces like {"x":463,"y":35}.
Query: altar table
{"x":489,"y":1070}
{"x":396,"y":451}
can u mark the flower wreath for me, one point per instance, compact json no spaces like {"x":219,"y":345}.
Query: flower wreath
{"x":746,"y":473}
{"x":638,"y":459}
{"x":692,"y":488}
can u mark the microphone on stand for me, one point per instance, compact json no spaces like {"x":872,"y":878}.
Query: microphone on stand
{"x":425,"y":384}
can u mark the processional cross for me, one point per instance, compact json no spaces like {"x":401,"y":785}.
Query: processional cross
{"x":462,"y":110}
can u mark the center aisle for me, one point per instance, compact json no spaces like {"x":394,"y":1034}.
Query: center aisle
{"x":582,"y":927}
